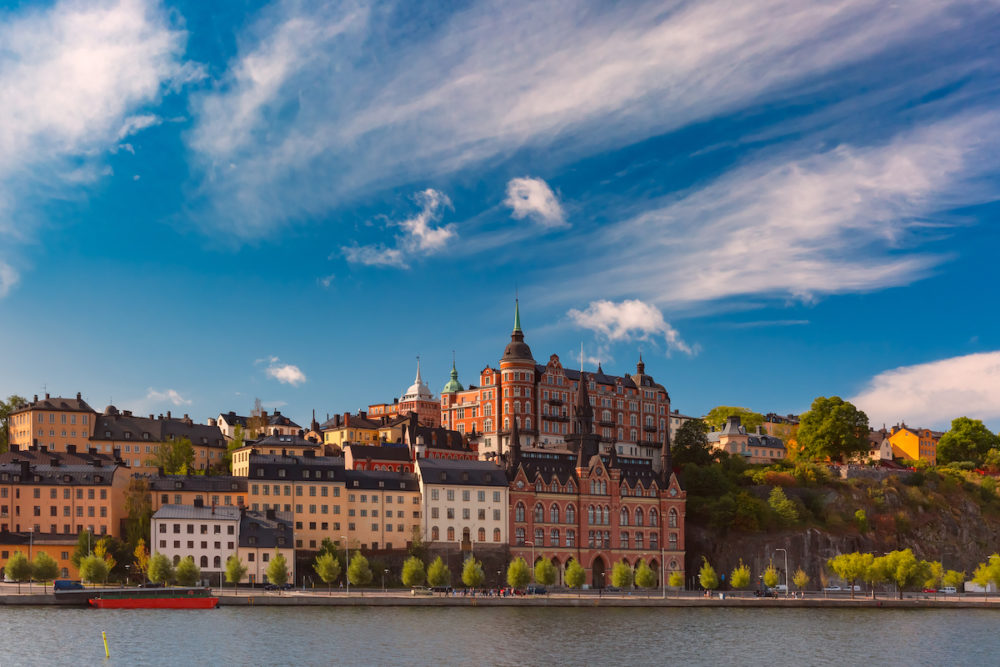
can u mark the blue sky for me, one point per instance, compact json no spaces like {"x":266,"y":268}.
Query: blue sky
{"x":201,"y":204}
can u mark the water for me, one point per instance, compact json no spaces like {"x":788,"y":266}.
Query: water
{"x":503,"y":636}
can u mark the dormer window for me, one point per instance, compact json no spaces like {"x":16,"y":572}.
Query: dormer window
{"x":107,"y":434}
{"x":98,"y":479}
{"x":128,"y":435}
{"x":233,"y":486}
{"x":281,"y":472}
{"x":178,"y":485}
{"x":145,"y":436}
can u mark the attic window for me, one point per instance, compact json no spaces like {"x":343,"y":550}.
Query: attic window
{"x":444,"y":476}
{"x":66,"y":478}
{"x":232,"y":486}
{"x":98,"y":479}
{"x":355,"y":484}
{"x":128,"y":435}
{"x":178,"y":485}
{"x":465,"y":477}
{"x":107,"y":434}
{"x":38,"y":478}
{"x":204,"y":441}
{"x":145,"y":436}
{"x":402,"y":485}
{"x":381,"y":485}
{"x":488,"y":477}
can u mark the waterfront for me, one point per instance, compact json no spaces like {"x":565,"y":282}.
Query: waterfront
{"x":504,"y":636}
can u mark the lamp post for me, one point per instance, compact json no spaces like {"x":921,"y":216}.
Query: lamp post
{"x":347,"y":555}
{"x":663,"y":571}
{"x":384,"y":572}
{"x":31,"y":540}
{"x":532,"y":545}
{"x":786,"y":570}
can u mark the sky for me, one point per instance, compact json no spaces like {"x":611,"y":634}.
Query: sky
{"x":206,"y":203}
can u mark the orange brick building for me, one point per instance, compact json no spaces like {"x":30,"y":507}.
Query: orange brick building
{"x":53,"y":422}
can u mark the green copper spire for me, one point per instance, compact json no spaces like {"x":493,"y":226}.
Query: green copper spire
{"x":453,"y":384}
{"x":517,"y":317}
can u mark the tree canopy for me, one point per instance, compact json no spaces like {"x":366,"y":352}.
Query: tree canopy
{"x":718,"y":415}
{"x":518,"y":574}
{"x":966,"y":440}
{"x":645,"y":577}
{"x":175,"y":456}
{"x":707,"y":578}
{"x":414,"y":573}
{"x":141,"y":558}
{"x":235,"y":571}
{"x":690,"y":444}
{"x":7,"y":407}
{"x":739,"y":578}
{"x":327,"y":568}
{"x":676,"y":579}
{"x":545,"y":572}
{"x":359,"y":572}
{"x":800,"y":579}
{"x":18,"y":568}
{"x":232,"y":446}
{"x":832,"y":428}
{"x":94,"y":569}
{"x":771,"y":576}
{"x":472,"y":573}
{"x":622,"y":575}
{"x":851,"y":567}
{"x":161,"y":570}
{"x":438,"y":574}
{"x":187,"y":573}
{"x":139,"y":510}
{"x":277,"y":569}
{"x":902,"y":568}
{"x":45,"y":568}
{"x":82,"y":549}
{"x":575,"y":576}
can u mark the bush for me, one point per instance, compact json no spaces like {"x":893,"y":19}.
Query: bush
{"x":811,"y":474}
{"x":774,"y":478}
{"x":861,"y":521}
{"x":914,"y":479}
{"x":782,"y":506}
{"x":750,"y":513}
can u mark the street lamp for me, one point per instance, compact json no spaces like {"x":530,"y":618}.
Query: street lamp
{"x":31,"y":539}
{"x":384,"y":572}
{"x":532,"y":545}
{"x":786,"y":571}
{"x":347,"y":555}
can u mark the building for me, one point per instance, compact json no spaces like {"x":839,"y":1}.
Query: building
{"x":676,"y":421}
{"x":62,"y":492}
{"x":577,"y":503}
{"x":915,"y":444}
{"x":348,"y":428}
{"x":207,"y":490}
{"x":879,"y":445}
{"x":139,"y":438}
{"x":55,"y":423}
{"x":294,"y":445}
{"x":463,"y":502}
{"x":755,"y":447}
{"x":418,"y":398}
{"x":279,"y":424}
{"x":228,"y":422}
{"x":208,"y":534}
{"x":631,"y":411}
{"x":383,"y":509}
{"x":261,"y":536}
{"x":59,"y":546}
{"x":436,"y":442}
{"x":390,"y":458}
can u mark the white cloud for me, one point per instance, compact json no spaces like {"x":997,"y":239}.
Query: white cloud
{"x":629,"y":320}
{"x":284,"y":373}
{"x":419,"y":236}
{"x":310,"y":119}
{"x":134,"y":124}
{"x":932,"y":394}
{"x":154,"y":396}
{"x":327,"y":280}
{"x":8,"y":278}
{"x":533,"y":198}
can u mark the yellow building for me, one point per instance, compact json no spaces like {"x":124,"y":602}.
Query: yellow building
{"x":138,"y":438}
{"x":262,"y":534}
{"x":53,"y":423}
{"x":348,"y":428}
{"x":292,"y":445}
{"x":915,"y":444}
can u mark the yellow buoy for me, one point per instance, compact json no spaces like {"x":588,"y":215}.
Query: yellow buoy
{"x":104,"y":634}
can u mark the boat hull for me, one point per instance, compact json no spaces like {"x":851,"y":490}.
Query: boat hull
{"x":156,"y":603}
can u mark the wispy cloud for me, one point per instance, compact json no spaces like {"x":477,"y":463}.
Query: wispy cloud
{"x":533,"y":198}
{"x":8,"y":278}
{"x":932,"y":394}
{"x":629,"y":320}
{"x":284,"y":373}
{"x":171,"y":396}
{"x":134,"y":124}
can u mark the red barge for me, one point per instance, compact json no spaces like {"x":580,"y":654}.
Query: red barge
{"x":156,"y":598}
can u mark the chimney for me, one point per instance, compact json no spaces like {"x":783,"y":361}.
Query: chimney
{"x":46,"y":395}
{"x":301,"y":433}
{"x":150,"y":417}
{"x":78,"y":397}
{"x":168,"y":414}
{"x":54,"y":461}
{"x":71,"y":449}
{"x":36,"y":398}
{"x":199,"y":502}
{"x":15,"y":448}
{"x":25,"y":470}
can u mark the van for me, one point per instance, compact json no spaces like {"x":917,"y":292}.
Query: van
{"x":948,"y":590}
{"x":66,"y":585}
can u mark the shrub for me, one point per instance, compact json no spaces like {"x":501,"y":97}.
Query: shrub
{"x":774,"y":478}
{"x":782,"y":506}
{"x":861,"y":520}
{"x":914,"y":479}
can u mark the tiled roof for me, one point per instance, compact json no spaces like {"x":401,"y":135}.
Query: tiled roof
{"x":114,"y":426}
{"x":449,"y":471}
{"x":377,"y":479}
{"x":56,"y":403}
{"x":207,"y":513}
{"x":387,"y":453}
{"x":204,"y":483}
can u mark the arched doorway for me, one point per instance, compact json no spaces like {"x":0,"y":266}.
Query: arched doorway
{"x":597,"y":570}
{"x":657,"y":570}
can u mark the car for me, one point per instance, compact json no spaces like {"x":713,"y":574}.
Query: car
{"x":948,"y":590}
{"x":66,"y":585}
{"x":151,"y":584}
{"x":612,"y":589}
{"x":535,"y":589}
{"x":421,"y":590}
{"x":833,"y":588}
{"x":930,"y":590}
{"x":289,"y":586}
{"x":442,"y":589}
{"x":271,"y":587}
{"x":781,"y":588}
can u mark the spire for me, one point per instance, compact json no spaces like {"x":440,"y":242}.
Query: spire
{"x":418,"y":380}
{"x":666,"y":459}
{"x":517,"y":316}
{"x":514,"y":457}
{"x":640,"y":368}
{"x":583,"y":413}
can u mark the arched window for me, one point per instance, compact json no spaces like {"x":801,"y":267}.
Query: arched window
{"x":604,"y":488}
{"x":539,"y":537}
{"x":673,"y":541}
{"x":593,"y":487}
{"x":217,"y":563}
{"x":435,"y":533}
{"x":638,"y":516}
{"x":554,"y":513}
{"x":496,"y":534}
{"x":619,"y":422}
{"x":519,"y":535}
{"x":555,"y":487}
{"x":620,"y":433}
{"x":638,"y":541}
{"x":539,"y":513}
{"x":570,"y":514}
{"x":481,"y":535}
{"x":606,"y":415}
{"x":624,"y":540}
{"x":632,"y":435}
{"x":451,"y":534}
{"x":554,"y":537}
{"x":672,"y":518}
{"x":590,"y":539}
{"x":506,"y":424}
{"x":177,"y":559}
{"x":571,"y":488}
{"x":506,"y":408}
{"x":607,"y":515}
{"x":623,"y":520}
{"x":654,"y":518}
{"x":570,"y":538}
{"x":538,"y":486}
{"x":590,"y":514}
{"x":519,"y":512}
{"x":204,"y":561}
{"x":527,"y":423}
{"x":654,"y":541}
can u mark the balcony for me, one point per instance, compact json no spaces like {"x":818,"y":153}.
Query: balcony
{"x":650,"y":443}
{"x":649,"y":428}
{"x":556,"y":418}
{"x":554,"y":401}
{"x":607,"y":422}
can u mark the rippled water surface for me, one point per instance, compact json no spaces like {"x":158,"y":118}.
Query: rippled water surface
{"x":503,"y":636}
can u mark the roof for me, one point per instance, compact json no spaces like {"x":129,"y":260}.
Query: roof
{"x":285,"y":441}
{"x":10,"y":538}
{"x":466,"y":473}
{"x":118,"y":426}
{"x":296,"y":468}
{"x":204,"y":513}
{"x":34,"y":467}
{"x":378,"y":479}
{"x":453,"y":384}
{"x":517,"y":349}
{"x":56,"y":403}
{"x":204,"y":483}
{"x":233,"y":419}
{"x":266,"y":529}
{"x":387,"y":453}
{"x":278,"y":419}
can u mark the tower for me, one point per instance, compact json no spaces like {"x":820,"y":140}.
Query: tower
{"x":517,"y":382}
{"x":583,"y":440}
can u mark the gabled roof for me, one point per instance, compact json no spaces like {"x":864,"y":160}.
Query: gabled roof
{"x":55,"y":403}
{"x":278,"y":419}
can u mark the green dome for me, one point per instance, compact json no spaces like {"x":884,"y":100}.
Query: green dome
{"x":453,"y":384}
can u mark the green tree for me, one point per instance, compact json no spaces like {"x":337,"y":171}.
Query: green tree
{"x":139,"y":510}
{"x":935,"y":573}
{"x":718,"y":415}
{"x":45,"y":568}
{"x":187,"y":573}
{"x":141,"y":558}
{"x":414,"y":573}
{"x":575,"y":576}
{"x":966,"y":440}
{"x":518,"y":574}
{"x":782,"y":506}
{"x":94,"y":569}
{"x":622,"y":575}
{"x":235,"y":571}
{"x":438,"y":573}
{"x":902,"y":568}
{"x":676,"y":580}
{"x":277,"y":569}
{"x":955,"y":579}
{"x":232,"y":446}
{"x":327,"y":567}
{"x":644,"y":575}
{"x":82,"y":549}
{"x":6,"y":407}
{"x":103,"y":549}
{"x":175,"y":456}
{"x":545,"y":572}
{"x":861,"y":521}
{"x":690,"y":445}
{"x":800,"y":579}
{"x":739,"y":578}
{"x":851,"y":567}
{"x":359,"y":573}
{"x":832,"y":428}
{"x":472,"y":573}
{"x":771,"y":576}
{"x":161,"y":570}
{"x":707,"y":578}
{"x":18,"y":568}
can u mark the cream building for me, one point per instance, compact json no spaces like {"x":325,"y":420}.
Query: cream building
{"x":208,"y":534}
{"x":463,"y":501}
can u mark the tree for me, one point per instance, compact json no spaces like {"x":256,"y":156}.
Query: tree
{"x":257,"y":422}
{"x":438,"y":574}
{"x":94,"y":569}
{"x":690,"y":445}
{"x":139,"y":510}
{"x":82,"y":549}
{"x":902,"y":568}
{"x":472,"y":573}
{"x":988,"y":573}
{"x":327,"y":567}
{"x":232,"y":446}
{"x":800,"y":579}
{"x":175,"y":456}
{"x":782,"y":506}
{"x":935,"y":573}
{"x":45,"y":568}
{"x":141,"y":559}
{"x":235,"y":571}
{"x":676,"y":580}
{"x":644,"y":575}
{"x":18,"y":568}
{"x":771,"y":576}
{"x":575,"y":575}
{"x":187,"y":573}
{"x":359,"y":573}
{"x":518,"y":574}
{"x":6,"y":407}
{"x":622,"y":575}
{"x":545,"y":572}
{"x":103,"y":551}
{"x":718,"y":415}
{"x":277,"y":569}
{"x":739,"y":578}
{"x":832,"y":428}
{"x":966,"y":440}
{"x":161,"y":570}
{"x":955,"y":579}
{"x":413,"y":572}
{"x":851,"y":567}
{"x":707,"y":578}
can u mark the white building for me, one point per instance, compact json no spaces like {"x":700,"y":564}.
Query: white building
{"x":208,"y":534}
{"x":463,"y":501}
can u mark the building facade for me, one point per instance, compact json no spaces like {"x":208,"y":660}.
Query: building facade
{"x":262,"y":535}
{"x":464,"y":503}
{"x":418,"y":399}
{"x":916,"y":444}
{"x":139,"y":438}
{"x":208,"y":534}
{"x":757,"y":447}
{"x":208,"y":490}
{"x":55,"y":423}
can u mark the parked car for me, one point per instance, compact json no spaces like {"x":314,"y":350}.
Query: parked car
{"x":930,"y":590}
{"x":421,"y":590}
{"x":535,"y":589}
{"x":66,"y":585}
{"x":612,"y":589}
{"x":833,"y":588}
{"x":948,"y":590}
{"x":442,"y":589}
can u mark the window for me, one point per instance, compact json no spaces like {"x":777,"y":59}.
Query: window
{"x":539,"y":513}
{"x":638,"y":541}
{"x":554,"y":513}
{"x":672,"y":518}
{"x":654,"y":518}
{"x":590,"y":514}
{"x":638,"y":518}
{"x":624,"y":540}
{"x":673,"y":541}
{"x":481,"y":535}
{"x":519,"y":512}
{"x":519,"y":536}
{"x":435,"y":534}
{"x":539,"y":537}
{"x":653,"y":541}
{"x":451,"y":534}
{"x":570,"y":514}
